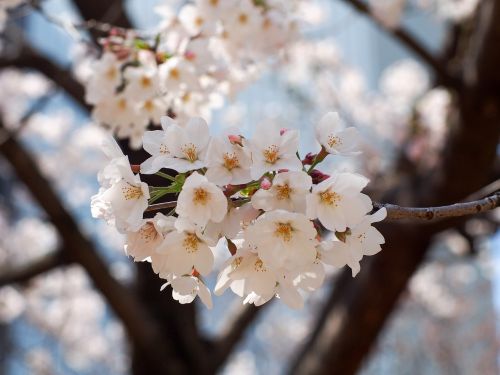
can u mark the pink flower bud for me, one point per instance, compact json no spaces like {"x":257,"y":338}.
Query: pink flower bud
{"x":189,"y":55}
{"x":265,"y":184}
{"x":233,"y":138}
{"x":283,"y":131}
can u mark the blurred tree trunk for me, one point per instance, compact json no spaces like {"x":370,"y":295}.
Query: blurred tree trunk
{"x":177,"y":321}
{"x":358,"y":308}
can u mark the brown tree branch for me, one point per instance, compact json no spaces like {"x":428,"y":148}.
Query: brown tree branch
{"x":31,"y":59}
{"x":412,"y":44}
{"x":27,"y":272}
{"x":395,"y":212}
{"x":139,"y":325}
{"x":235,"y":330}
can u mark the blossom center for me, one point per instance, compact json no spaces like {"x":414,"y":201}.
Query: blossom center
{"x":189,"y":151}
{"x":334,"y":141}
{"x":111,"y":73}
{"x":362,"y":237}
{"x":330,"y":198}
{"x":214,"y":2}
{"x":284,"y":231}
{"x":145,"y":82}
{"x":283,"y":192}
{"x":200,"y":196}
{"x":271,"y":154}
{"x":122,"y":104}
{"x":230,"y":160}
{"x":131,"y":192}
{"x":174,"y":73}
{"x":236,"y":262}
{"x":148,"y":105}
{"x":198,"y":21}
{"x":163,"y":149}
{"x":148,"y":232}
{"x":191,"y":242}
{"x":259,"y":266}
{"x":243,"y":18}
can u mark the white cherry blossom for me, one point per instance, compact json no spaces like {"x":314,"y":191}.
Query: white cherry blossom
{"x":182,"y":148}
{"x":363,"y":239}
{"x":142,"y":244}
{"x":177,"y":74}
{"x":336,"y":140}
{"x":142,"y":82}
{"x":183,"y":250}
{"x":104,"y":80}
{"x":273,"y":149}
{"x":284,"y":239}
{"x":185,"y":289}
{"x":288,"y":192}
{"x":123,"y":197}
{"x":201,"y":201}
{"x":338,"y":202}
{"x":227,"y":162}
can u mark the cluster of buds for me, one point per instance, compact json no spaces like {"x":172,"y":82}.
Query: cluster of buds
{"x":279,"y":219}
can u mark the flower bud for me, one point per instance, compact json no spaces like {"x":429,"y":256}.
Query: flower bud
{"x":265,"y":184}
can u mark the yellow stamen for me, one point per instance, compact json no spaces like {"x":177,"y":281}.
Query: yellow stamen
{"x":189,"y":151}
{"x":230,"y":160}
{"x":201,"y":196}
{"x":122,"y":104}
{"x":243,"y":18}
{"x":190,"y":243}
{"x":334,"y":141}
{"x":198,"y":21}
{"x":163,"y":149}
{"x":111,"y":73}
{"x":259,"y":266}
{"x":284,"y":230}
{"x":148,"y":232}
{"x":145,"y":82}
{"x":271,"y":154}
{"x":174,"y":73}
{"x":283,"y":192}
{"x":131,"y":192}
{"x":330,"y":198}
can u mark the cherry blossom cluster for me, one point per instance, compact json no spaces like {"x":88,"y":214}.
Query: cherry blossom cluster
{"x":280,"y":218}
{"x":208,"y":51}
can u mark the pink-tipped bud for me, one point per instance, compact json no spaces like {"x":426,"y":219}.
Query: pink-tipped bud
{"x":233,"y":138}
{"x":283,"y":131}
{"x":189,"y":55}
{"x":309,"y":159}
{"x":265,"y":184}
{"x":283,"y":170}
{"x":318,"y":176}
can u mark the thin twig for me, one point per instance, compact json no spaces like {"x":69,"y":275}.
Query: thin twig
{"x":411,"y":43}
{"x":395,"y":212}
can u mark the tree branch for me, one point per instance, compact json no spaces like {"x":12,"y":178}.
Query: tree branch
{"x":31,"y":59}
{"x":25,"y":273}
{"x":412,"y":44}
{"x":395,"y":212}
{"x":235,"y":330}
